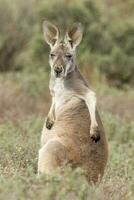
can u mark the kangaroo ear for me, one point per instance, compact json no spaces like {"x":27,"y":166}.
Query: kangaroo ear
{"x":51,"y":33}
{"x":74,"y":34}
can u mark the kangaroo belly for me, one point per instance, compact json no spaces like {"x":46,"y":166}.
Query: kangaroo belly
{"x":72,"y":128}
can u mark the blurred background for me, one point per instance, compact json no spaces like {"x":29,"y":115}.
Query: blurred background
{"x":105,"y":57}
{"x":108,"y":43}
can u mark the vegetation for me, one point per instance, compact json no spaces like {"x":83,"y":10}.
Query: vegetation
{"x":23,"y":106}
{"x":105,"y":58}
{"x":107,"y":44}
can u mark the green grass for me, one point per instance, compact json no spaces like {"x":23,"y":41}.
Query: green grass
{"x":19,"y":146}
{"x":20,"y":141}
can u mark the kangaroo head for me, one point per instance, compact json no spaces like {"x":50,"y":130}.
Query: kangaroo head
{"x":62,"y":53}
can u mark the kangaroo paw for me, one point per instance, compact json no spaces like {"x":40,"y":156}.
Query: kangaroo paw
{"x":95,"y":134}
{"x":49,"y":123}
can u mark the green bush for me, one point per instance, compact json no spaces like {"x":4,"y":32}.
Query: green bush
{"x":118,"y":67}
{"x":117,"y":129}
{"x":107,"y":44}
{"x":15,"y":31}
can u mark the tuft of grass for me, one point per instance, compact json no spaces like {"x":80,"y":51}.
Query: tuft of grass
{"x":118,"y":129}
{"x":19,"y":146}
{"x":23,"y":106}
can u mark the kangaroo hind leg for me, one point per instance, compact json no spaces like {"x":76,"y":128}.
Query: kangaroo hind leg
{"x":51,"y":156}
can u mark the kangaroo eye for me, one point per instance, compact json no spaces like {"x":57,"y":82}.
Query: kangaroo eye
{"x":68,"y":56}
{"x":52,"y":55}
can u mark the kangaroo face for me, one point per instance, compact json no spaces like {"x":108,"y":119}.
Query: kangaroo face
{"x":62,"y":54}
{"x":62,"y":59}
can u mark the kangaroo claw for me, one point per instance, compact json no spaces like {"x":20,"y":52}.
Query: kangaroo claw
{"x":49,"y":123}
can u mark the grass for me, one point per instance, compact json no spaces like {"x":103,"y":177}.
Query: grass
{"x":23,"y":104}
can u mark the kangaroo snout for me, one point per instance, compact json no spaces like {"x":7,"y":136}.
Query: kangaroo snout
{"x":58,"y":71}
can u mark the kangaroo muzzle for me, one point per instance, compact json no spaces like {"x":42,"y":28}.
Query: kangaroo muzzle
{"x":58,"y":71}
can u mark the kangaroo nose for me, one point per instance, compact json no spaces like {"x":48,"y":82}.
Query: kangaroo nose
{"x":58,"y":70}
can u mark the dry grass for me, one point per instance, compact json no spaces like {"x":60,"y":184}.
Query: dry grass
{"x":24,"y":103}
{"x":120,"y":103}
{"x":16,"y":102}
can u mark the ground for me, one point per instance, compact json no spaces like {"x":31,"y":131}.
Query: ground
{"x":24,"y":102}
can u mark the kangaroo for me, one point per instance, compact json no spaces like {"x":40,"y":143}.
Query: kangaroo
{"x":66,"y":80}
{"x":69,"y":134}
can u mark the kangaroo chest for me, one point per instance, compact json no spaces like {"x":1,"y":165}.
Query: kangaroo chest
{"x":57,"y":89}
{"x":60,"y":92}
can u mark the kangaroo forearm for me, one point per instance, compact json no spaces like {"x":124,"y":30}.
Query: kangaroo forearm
{"x":90,"y":99}
{"x":51,"y":113}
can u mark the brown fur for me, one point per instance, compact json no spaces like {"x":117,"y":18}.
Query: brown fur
{"x":69,"y":142}
{"x":71,"y":135}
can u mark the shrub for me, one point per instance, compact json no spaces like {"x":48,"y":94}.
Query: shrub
{"x":15,"y":31}
{"x":107,"y":38}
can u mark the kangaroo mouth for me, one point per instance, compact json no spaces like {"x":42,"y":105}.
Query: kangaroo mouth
{"x":59,"y":74}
